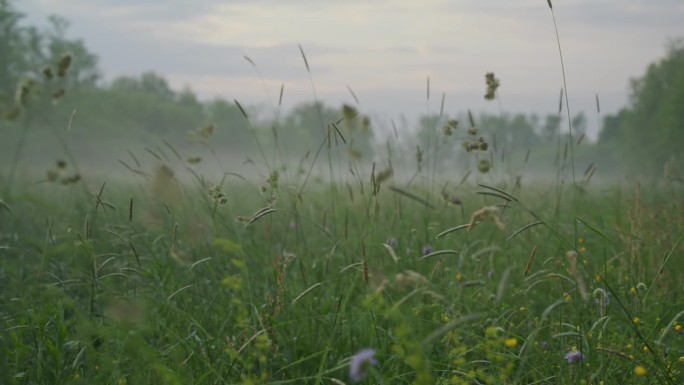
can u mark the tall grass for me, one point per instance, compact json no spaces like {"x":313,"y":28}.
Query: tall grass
{"x":180,"y":277}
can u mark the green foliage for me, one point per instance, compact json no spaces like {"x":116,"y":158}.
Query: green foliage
{"x":649,"y":133}
{"x":284,"y":299}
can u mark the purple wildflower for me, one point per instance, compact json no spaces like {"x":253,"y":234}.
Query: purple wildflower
{"x":358,"y":366}
{"x":427,"y":249}
{"x":574,"y":356}
{"x":490,"y":274}
{"x":603,"y":299}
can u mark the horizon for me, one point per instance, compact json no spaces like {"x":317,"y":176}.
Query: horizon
{"x":385,"y":61}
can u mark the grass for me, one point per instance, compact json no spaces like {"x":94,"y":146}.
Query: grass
{"x":118,"y":285}
{"x":176,"y":277}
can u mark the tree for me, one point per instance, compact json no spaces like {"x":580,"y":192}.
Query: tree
{"x":551,"y":128}
{"x":305,"y":127}
{"x":579,"y":124}
{"x":11,"y":40}
{"x":39,"y":67}
{"x":650,"y":132}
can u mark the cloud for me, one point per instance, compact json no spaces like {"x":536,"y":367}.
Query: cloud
{"x":384,"y":49}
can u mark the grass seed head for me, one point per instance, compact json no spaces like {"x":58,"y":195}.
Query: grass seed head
{"x":63,"y":65}
{"x":484,"y":166}
{"x":492,"y":85}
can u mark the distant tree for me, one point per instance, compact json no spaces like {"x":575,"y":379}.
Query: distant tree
{"x":611,"y":127}
{"x":650,"y":131}
{"x":305,"y":127}
{"x":232,"y":129}
{"x":83,"y":68}
{"x":579,"y":124}
{"x":38,"y":68}
{"x":12,"y":42}
{"x":551,"y":128}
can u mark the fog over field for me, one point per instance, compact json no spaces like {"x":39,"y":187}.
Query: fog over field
{"x":341,"y":192}
{"x":238,"y":86}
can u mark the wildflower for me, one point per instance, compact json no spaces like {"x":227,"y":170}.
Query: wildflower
{"x":358,"y":366}
{"x":392,"y":242}
{"x":575,"y":356}
{"x":640,"y":371}
{"x":681,"y":360}
{"x":427,"y":250}
{"x":678,"y":328}
{"x":545,"y":345}
{"x":490,"y":274}
{"x":601,"y":298}
{"x":511,"y":342}
{"x":491,"y":331}
{"x":636,"y":320}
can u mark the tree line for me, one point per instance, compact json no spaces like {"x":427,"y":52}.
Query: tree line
{"x":49,"y":82}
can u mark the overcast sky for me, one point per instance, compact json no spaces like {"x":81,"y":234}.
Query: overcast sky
{"x":383,"y":50}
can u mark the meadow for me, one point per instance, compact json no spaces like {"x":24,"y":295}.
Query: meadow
{"x":284,"y":277}
{"x":338,"y":269}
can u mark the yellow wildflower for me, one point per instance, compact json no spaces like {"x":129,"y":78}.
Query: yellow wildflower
{"x":511,"y":342}
{"x":640,"y":371}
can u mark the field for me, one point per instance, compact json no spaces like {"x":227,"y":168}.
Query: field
{"x":361,"y":264}
{"x":279,"y":278}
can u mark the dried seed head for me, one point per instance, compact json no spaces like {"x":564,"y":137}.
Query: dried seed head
{"x":384,"y":175}
{"x":349,"y":112}
{"x":22,"y":92}
{"x":451,"y":199}
{"x":492,"y":85}
{"x":365,"y":123}
{"x":58,"y":95}
{"x":482,"y":144}
{"x":491,"y":212}
{"x":63,"y":65}
{"x":207,"y":130}
{"x":273,"y":179}
{"x":449,"y":126}
{"x":47,"y":72}
{"x":217,"y":195}
{"x":355,"y":154}
{"x":484,"y":166}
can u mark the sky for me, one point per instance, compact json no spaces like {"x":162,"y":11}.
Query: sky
{"x":383,"y":50}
